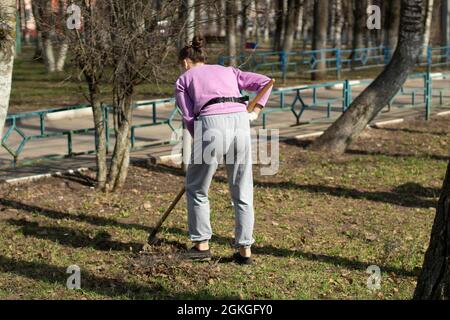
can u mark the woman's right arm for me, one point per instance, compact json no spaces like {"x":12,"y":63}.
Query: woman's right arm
{"x":186,"y":105}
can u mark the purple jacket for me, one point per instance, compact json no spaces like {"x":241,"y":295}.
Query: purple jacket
{"x":198,"y":85}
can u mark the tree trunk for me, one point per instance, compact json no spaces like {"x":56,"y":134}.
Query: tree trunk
{"x":426,"y":37}
{"x":267,"y":22}
{"x":392,"y":24}
{"x":100,"y":132}
{"x":445,"y":23}
{"x":434,"y":280}
{"x":338,"y":25}
{"x":231,"y":30}
{"x":190,"y":29}
{"x":378,"y":94}
{"x":308,"y":13}
{"x":320,"y":37}
{"x":359,"y":25}
{"x":49,"y":57}
{"x":121,"y":155}
{"x":62,"y":56}
{"x":299,"y":29}
{"x":222,"y":20}
{"x":39,"y":50}
{"x":244,"y":26}
{"x":279,"y":24}
{"x":291,"y":24}
{"x":7,"y":52}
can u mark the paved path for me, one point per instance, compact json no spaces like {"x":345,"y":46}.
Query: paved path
{"x":285,"y":121}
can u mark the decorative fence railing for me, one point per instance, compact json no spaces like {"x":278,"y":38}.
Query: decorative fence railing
{"x":295,"y":100}
{"x":14,"y":125}
{"x":334,"y":59}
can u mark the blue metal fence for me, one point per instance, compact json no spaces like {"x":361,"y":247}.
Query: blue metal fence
{"x":289,"y":99}
{"x":334,"y":59}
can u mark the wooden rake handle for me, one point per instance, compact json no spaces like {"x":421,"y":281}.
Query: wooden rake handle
{"x":255,"y":100}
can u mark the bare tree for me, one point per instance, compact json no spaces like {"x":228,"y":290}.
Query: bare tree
{"x":320,"y":37}
{"x":131,"y":41}
{"x":7,"y":50}
{"x":377,"y":95}
{"x":434,"y":280}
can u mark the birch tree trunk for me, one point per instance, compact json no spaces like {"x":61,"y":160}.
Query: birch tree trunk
{"x":190,"y":30}
{"x":245,"y":4}
{"x":7,"y":51}
{"x":62,"y":56}
{"x":434,"y":280}
{"x":49,"y":56}
{"x":320,"y":37}
{"x":339,"y":21}
{"x":299,"y":30}
{"x":231,"y":30}
{"x":378,"y":94}
{"x":222,"y":20}
{"x":267,"y":21}
{"x":426,"y":37}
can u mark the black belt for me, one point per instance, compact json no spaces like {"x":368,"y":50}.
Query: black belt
{"x":226,"y":99}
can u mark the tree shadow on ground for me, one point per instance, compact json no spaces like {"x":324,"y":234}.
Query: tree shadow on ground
{"x":160,"y":168}
{"x":441,"y":133}
{"x":58,"y":215}
{"x":55,"y":234}
{"x":78,"y":177}
{"x":409,"y":196}
{"x":73,"y":237}
{"x":397,"y":155}
{"x":109,"y":287}
{"x":304,"y":144}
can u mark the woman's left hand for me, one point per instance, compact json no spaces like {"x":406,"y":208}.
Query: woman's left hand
{"x":253,"y":116}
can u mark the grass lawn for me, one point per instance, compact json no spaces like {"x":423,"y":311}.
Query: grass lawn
{"x":320,"y":222}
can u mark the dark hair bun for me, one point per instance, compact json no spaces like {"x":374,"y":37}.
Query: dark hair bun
{"x":198,"y":42}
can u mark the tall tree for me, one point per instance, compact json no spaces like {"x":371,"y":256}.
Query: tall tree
{"x":245,"y":10}
{"x":339,"y":21}
{"x":320,"y":37}
{"x":7,"y":50}
{"x":434,"y":279}
{"x":359,"y":25}
{"x":230,"y":12}
{"x":392,"y":23}
{"x":429,"y":17}
{"x":378,"y":94}
{"x":279,"y":24}
{"x":291,"y":24}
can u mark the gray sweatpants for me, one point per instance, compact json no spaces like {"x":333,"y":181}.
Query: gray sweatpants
{"x":221,"y":139}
